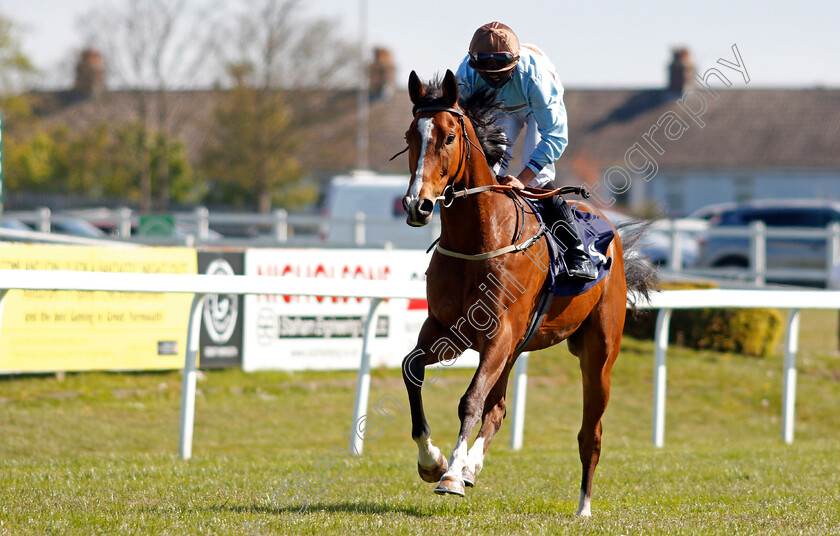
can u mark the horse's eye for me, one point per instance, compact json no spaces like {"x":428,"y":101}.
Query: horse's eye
{"x":450,"y":139}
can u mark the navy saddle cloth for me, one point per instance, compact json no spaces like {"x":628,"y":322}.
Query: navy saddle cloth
{"x":596,"y":234}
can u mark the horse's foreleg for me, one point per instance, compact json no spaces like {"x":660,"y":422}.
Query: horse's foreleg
{"x":491,"y":367}
{"x":431,"y":463}
{"x":491,"y":421}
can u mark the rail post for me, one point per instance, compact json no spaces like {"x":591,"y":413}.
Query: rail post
{"x":124,"y":216}
{"x":44,"y":216}
{"x":190,"y":375}
{"x":363,"y":381}
{"x":281,"y":225}
{"x":359,"y":229}
{"x":758,"y":252}
{"x":675,"y":260}
{"x":832,"y":252}
{"x":789,"y":396}
{"x":660,"y":374}
{"x":202,"y":224}
{"x":520,"y":381}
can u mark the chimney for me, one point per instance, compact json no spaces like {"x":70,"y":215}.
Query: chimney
{"x":680,"y":72}
{"x":381,"y":74}
{"x":90,"y":74}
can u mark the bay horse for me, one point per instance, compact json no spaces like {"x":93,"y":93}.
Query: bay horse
{"x":484,"y":283}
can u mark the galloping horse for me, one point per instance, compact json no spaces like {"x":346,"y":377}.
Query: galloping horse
{"x":484,"y":283}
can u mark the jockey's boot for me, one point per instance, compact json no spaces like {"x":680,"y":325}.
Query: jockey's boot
{"x":561,"y":223}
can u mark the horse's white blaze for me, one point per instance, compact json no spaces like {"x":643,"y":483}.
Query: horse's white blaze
{"x":427,"y":454}
{"x":475,"y":458}
{"x":458,"y":459}
{"x":425,"y":126}
{"x":584,"y":508}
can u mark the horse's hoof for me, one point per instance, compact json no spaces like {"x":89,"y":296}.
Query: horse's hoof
{"x":433,"y":474}
{"x":469,"y":477}
{"x":451,"y":485}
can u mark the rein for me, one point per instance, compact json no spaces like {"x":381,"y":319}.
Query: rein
{"x":450,"y":194}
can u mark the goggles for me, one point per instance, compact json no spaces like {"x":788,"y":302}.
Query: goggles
{"x":496,"y":61}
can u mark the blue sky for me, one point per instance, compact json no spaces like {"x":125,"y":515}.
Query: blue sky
{"x":607,"y":43}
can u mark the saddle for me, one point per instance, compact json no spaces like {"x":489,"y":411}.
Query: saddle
{"x":596,"y":234}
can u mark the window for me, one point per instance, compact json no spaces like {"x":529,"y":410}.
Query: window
{"x":815,"y":217}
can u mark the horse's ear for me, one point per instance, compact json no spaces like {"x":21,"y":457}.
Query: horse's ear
{"x":450,"y":88}
{"x":415,"y":87}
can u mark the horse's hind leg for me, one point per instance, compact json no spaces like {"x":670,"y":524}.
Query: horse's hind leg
{"x":431,"y":463}
{"x":597,"y":350}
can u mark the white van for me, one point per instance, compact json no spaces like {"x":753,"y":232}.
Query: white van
{"x":378,"y":198}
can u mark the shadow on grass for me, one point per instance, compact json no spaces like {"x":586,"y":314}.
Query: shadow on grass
{"x":361,"y":507}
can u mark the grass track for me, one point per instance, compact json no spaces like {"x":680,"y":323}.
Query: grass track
{"x":95,"y":453}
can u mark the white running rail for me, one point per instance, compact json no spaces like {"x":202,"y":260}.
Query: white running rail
{"x":376,"y":291}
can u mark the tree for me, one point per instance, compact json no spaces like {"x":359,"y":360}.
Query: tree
{"x":276,"y":59}
{"x":14,"y":64}
{"x":15,"y":109}
{"x":98,"y":162}
{"x":251,"y":159}
{"x":152,"y":47}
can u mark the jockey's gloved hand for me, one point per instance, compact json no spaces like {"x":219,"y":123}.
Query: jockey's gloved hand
{"x":510,"y":180}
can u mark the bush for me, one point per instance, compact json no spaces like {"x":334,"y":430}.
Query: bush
{"x":755,"y":332}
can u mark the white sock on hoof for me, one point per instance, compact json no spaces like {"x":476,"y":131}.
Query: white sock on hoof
{"x":427,"y":454}
{"x":584,"y":508}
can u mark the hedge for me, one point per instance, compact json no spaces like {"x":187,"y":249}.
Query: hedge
{"x":755,"y":332}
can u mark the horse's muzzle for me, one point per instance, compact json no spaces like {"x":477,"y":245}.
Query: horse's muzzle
{"x":418,"y":211}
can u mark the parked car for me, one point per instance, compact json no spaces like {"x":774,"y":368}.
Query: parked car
{"x":14,"y":224}
{"x":798,"y":253}
{"x":76,"y":227}
{"x":710,"y":212}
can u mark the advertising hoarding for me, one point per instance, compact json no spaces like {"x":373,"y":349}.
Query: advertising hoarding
{"x":46,"y":331}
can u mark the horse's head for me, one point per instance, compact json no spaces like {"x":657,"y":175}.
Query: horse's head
{"x":437,"y":147}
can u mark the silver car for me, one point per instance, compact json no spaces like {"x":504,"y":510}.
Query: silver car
{"x":795,"y":259}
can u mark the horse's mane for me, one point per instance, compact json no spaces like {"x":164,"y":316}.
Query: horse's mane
{"x":482,"y":109}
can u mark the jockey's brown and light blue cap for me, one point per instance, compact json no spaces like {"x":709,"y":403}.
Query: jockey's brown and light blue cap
{"x":494,"y":48}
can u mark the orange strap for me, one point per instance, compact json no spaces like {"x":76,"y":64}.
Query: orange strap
{"x":538,"y":193}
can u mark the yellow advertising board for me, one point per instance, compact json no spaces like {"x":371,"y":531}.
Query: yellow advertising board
{"x":73,"y":330}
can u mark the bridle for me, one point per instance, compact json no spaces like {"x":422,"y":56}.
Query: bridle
{"x":466,"y":143}
{"x":449,"y":192}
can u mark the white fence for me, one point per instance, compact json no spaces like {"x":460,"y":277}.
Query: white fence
{"x":758,"y":267}
{"x":279,"y":228}
{"x":202,"y":285}
{"x":795,"y":300}
{"x":283,"y":229}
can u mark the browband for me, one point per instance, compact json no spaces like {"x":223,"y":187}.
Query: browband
{"x":459,"y":113}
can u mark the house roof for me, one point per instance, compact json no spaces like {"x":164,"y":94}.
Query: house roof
{"x":742,"y":128}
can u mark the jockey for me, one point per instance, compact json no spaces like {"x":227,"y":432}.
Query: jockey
{"x":531,"y":95}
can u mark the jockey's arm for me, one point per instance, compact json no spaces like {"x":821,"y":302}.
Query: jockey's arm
{"x":526,"y":175}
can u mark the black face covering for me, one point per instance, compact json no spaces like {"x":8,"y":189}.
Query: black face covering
{"x":496,"y":80}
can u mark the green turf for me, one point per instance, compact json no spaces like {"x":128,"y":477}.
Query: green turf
{"x":95,"y":453}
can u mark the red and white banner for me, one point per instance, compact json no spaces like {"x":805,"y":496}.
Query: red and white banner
{"x":297,"y":333}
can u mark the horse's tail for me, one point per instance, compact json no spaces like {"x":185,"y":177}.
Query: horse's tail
{"x":641,"y":275}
